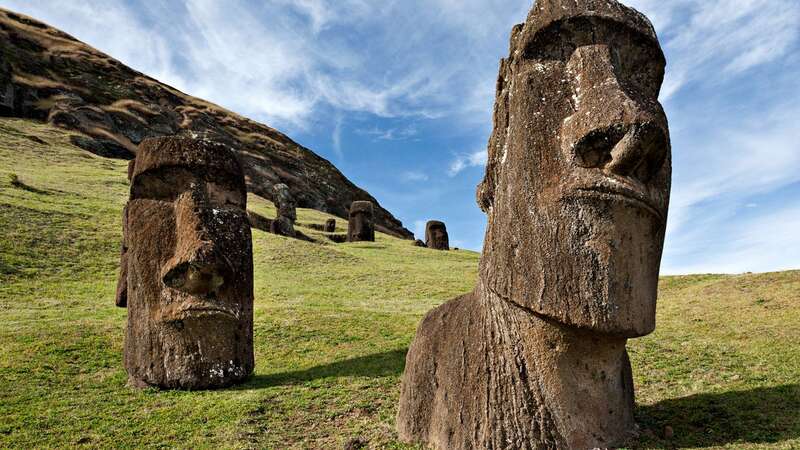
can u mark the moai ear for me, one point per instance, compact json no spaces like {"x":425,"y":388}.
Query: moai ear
{"x":122,"y":281}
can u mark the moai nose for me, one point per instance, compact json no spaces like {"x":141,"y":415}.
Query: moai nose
{"x":195,"y":267}
{"x":610,"y":129}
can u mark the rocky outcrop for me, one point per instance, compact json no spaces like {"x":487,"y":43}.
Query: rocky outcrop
{"x":47,"y":75}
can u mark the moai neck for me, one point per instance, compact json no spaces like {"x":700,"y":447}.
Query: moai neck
{"x":584,"y":377}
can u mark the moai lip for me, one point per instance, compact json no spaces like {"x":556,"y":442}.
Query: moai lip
{"x":576,"y":191}
{"x":361,"y":225}
{"x":187,"y":267}
{"x":436,"y":235}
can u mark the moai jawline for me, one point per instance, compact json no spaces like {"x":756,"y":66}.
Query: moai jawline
{"x":436,"y":235}
{"x":576,"y":191}
{"x":330,"y":225}
{"x":287,"y":211}
{"x":361,"y":225}
{"x":187,"y":267}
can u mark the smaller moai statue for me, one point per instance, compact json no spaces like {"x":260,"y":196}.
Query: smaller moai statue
{"x":330,"y":225}
{"x":436,"y":236}
{"x":361,"y":227}
{"x":283,"y":224}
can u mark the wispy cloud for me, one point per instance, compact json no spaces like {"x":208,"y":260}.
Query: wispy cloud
{"x":336,"y":137}
{"x":720,"y":37}
{"x":412,"y":176}
{"x":390,"y":134}
{"x":466,"y":160}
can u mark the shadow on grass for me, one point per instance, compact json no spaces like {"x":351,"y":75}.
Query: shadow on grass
{"x":374,"y":366}
{"x":757,"y":416}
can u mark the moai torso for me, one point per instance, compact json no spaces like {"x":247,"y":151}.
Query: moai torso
{"x":187,"y":275}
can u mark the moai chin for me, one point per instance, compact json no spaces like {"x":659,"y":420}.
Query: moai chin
{"x":287,"y":211}
{"x":436,"y":235}
{"x":576,"y":191}
{"x":187,"y":267}
{"x":361,"y":226}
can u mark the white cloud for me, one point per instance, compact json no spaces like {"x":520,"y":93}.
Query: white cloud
{"x":466,"y":160}
{"x":336,"y":137}
{"x":390,"y":134}
{"x":413,"y":176}
{"x":768,"y":242}
{"x":720,"y":37}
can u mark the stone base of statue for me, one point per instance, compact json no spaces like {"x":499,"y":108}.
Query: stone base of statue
{"x":484,"y":373}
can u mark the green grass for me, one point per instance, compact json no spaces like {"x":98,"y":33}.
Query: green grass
{"x":332,"y":325}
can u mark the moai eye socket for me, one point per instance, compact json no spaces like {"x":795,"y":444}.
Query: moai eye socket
{"x":163,"y":184}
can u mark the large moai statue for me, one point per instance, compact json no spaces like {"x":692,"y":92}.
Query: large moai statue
{"x":361,"y":226}
{"x":436,"y":235}
{"x":287,"y":211}
{"x":187,"y":267}
{"x":576,"y":191}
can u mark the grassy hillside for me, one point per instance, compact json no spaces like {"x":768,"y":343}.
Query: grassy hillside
{"x":332,"y":325}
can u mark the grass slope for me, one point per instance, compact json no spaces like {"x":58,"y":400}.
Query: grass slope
{"x":332,"y":325}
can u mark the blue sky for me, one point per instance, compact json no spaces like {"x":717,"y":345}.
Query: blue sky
{"x":398,"y":94}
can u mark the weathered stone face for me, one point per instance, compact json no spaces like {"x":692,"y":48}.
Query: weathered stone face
{"x":361,"y":227}
{"x":188,"y":267}
{"x":436,"y":235}
{"x":284,"y":202}
{"x":578,"y":180}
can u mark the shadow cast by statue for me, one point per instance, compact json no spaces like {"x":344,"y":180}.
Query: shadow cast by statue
{"x":384,"y":364}
{"x":756,"y":416}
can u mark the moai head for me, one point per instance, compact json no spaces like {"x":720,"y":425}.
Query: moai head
{"x":361,"y":227}
{"x":436,"y":236}
{"x":330,"y":225}
{"x":188,"y":267}
{"x":578,"y":179}
{"x":285,"y":202}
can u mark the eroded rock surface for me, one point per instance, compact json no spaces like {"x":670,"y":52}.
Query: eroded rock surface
{"x":576,"y":191}
{"x":187,"y":267}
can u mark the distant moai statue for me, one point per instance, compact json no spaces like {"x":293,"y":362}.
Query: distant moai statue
{"x":330,"y":225}
{"x":419,"y":243}
{"x":287,"y":211}
{"x":576,"y":190}
{"x":436,"y":235}
{"x":361,"y":226}
{"x":186,"y":272}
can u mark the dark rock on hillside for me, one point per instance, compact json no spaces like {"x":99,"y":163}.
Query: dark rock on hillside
{"x":47,"y":75}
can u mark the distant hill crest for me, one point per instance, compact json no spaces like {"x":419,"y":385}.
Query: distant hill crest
{"x":48,"y":75}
